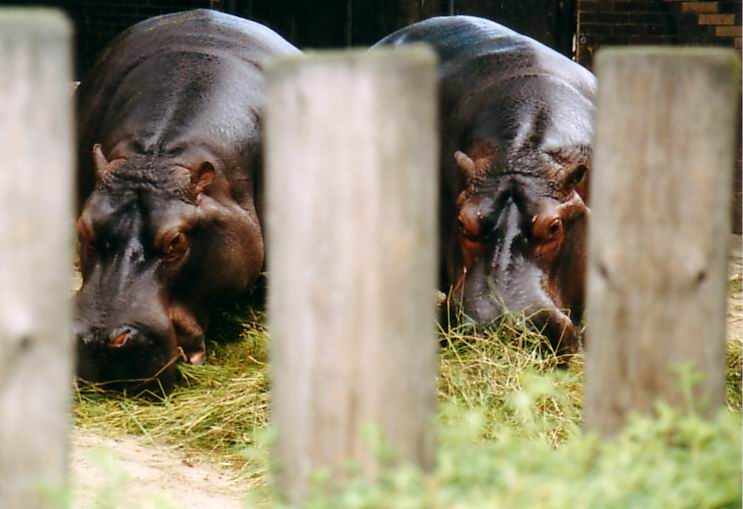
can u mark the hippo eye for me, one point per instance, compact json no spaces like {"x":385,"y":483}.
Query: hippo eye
{"x":470,"y":230}
{"x":175,"y":247}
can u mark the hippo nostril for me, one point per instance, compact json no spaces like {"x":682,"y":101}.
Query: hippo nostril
{"x":120,"y":340}
{"x":119,"y":337}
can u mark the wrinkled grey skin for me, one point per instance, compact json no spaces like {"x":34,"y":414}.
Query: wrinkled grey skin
{"x":516,"y":127}
{"x":169,"y":173}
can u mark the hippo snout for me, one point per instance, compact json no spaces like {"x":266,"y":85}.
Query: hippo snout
{"x":554,"y":324}
{"x":478,"y":300}
{"x":125,"y":356}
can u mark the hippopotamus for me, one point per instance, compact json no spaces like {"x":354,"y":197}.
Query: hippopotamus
{"x":516,"y":127}
{"x":169,"y":151}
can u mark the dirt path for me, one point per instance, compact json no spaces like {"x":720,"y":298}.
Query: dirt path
{"x":130,"y":473}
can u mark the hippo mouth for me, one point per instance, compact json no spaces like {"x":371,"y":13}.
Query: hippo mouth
{"x":553,"y":323}
{"x":137,"y":364}
{"x":489,"y":308}
{"x":136,"y":357}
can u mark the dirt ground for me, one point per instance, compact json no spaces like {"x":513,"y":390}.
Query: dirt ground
{"x":130,"y":473}
{"x":134,"y":473}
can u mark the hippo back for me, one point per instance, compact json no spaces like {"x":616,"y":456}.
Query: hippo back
{"x":489,"y":53}
{"x":174,"y":80}
{"x":503,"y":87}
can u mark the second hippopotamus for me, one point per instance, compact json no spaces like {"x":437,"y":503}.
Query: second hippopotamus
{"x":516,"y":126}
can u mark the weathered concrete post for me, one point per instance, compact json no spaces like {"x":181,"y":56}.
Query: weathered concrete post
{"x":352,"y":190}
{"x":663,"y":163}
{"x":36,"y":243}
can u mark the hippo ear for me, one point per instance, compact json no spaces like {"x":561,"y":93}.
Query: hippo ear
{"x":202,"y":177}
{"x":104,"y":167}
{"x":99,"y":158}
{"x":466,"y":165}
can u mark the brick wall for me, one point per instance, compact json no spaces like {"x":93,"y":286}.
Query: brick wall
{"x":662,"y":22}
{"x":98,"y":21}
{"x":657,"y":22}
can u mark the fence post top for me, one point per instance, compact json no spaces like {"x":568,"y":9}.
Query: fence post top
{"x":42,"y":22}
{"x":412,"y":55}
{"x":724,"y":56}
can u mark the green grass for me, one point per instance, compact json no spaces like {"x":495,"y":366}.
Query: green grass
{"x":510,"y":429}
{"x":499,"y":372}
{"x":674,"y":461}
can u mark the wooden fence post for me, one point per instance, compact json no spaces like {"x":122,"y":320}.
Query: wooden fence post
{"x":663,"y":162}
{"x":36,"y":143}
{"x":352,"y":189}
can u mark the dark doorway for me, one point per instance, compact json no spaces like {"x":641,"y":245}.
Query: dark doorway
{"x":340,"y":23}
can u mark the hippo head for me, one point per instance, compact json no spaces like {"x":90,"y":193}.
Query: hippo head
{"x":157,"y":246}
{"x":519,"y":242}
